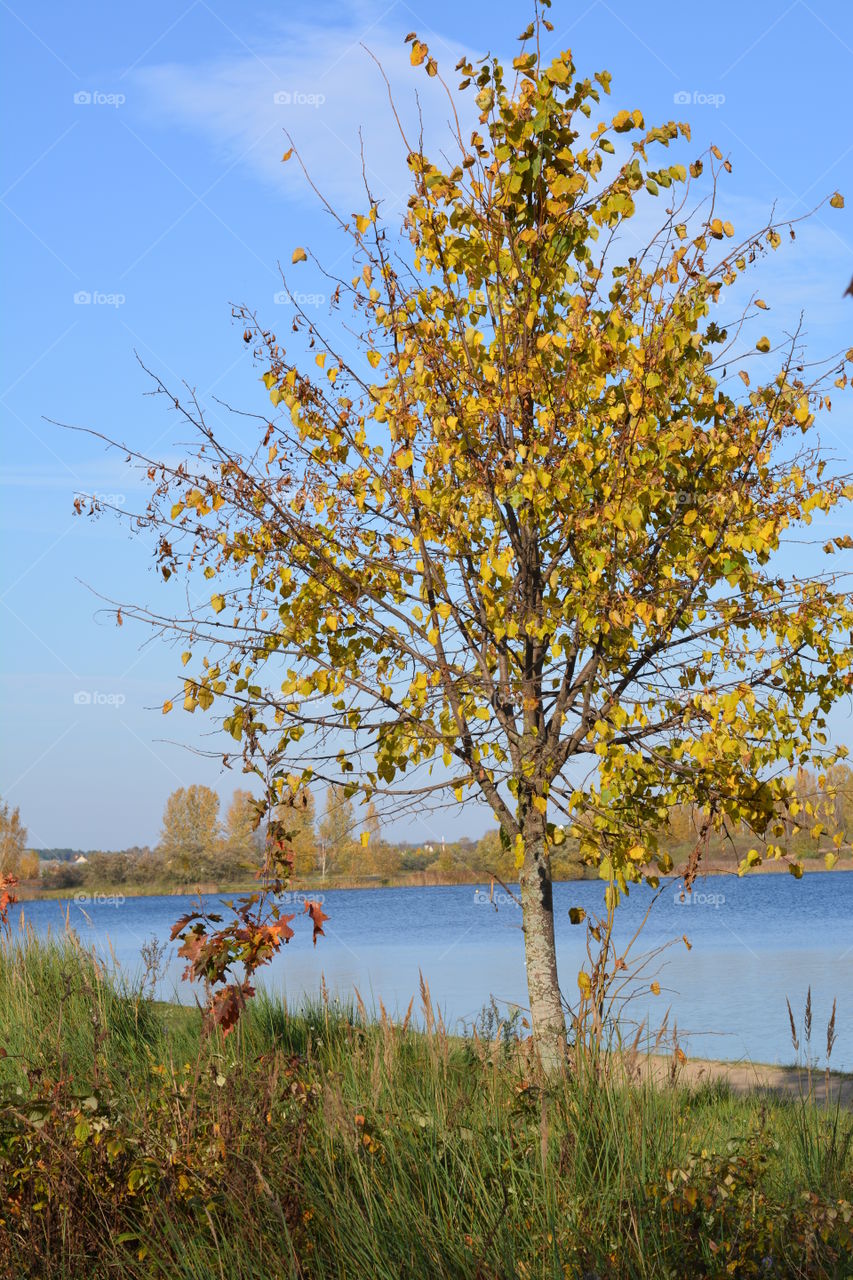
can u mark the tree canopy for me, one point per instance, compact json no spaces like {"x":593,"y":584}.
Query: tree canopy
{"x":523,"y":544}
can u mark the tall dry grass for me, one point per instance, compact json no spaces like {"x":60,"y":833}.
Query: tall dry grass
{"x":330,"y":1141}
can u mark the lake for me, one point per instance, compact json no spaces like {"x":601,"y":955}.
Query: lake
{"x":754,"y":941}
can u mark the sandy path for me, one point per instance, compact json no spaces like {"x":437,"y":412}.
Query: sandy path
{"x":747,"y":1077}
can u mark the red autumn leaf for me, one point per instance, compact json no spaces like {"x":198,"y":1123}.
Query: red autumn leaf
{"x":318,"y":915}
{"x":282,"y":928}
{"x":191,"y":947}
{"x":227,"y":1005}
{"x":179,"y":925}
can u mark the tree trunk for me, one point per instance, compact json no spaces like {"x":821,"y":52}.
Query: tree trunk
{"x":547,"y":1019}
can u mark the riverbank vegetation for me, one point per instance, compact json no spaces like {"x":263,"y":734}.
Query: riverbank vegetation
{"x":325,"y":1142}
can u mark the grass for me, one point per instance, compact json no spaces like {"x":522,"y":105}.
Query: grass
{"x":323,"y":1143}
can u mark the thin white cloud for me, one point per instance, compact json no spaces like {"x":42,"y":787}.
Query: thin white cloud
{"x":322,"y":87}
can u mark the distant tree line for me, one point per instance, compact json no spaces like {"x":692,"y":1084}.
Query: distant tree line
{"x":197,"y":846}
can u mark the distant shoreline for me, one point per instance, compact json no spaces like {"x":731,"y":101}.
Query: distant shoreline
{"x":81,"y":896}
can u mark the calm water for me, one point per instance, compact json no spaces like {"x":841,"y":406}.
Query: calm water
{"x":754,"y":942}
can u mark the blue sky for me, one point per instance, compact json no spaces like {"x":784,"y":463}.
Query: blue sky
{"x":142,"y":169}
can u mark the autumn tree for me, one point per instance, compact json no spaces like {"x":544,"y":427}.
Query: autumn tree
{"x":337,"y":829}
{"x":839,"y":798}
{"x":302,"y":836}
{"x":524,"y":544}
{"x":189,"y":840}
{"x":241,"y":842}
{"x":13,"y":840}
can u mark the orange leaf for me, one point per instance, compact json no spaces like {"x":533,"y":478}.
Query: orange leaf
{"x":318,"y":915}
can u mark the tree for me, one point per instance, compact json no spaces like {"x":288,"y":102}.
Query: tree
{"x":303,"y":841}
{"x":190,"y":837}
{"x":29,"y":867}
{"x":839,"y":804}
{"x":13,"y":840}
{"x":242,"y":840}
{"x":336,"y":829}
{"x":529,"y":534}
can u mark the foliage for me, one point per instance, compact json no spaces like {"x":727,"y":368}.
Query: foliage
{"x":191,"y":831}
{"x":241,"y":845}
{"x":337,"y":828}
{"x":13,"y":840}
{"x":226,"y":956}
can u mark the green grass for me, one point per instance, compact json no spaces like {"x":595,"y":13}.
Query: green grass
{"x":319,"y":1143}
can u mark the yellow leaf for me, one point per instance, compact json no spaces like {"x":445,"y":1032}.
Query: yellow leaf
{"x":299,"y":255}
{"x":655,"y":988}
{"x":763,"y":344}
{"x":577,"y":915}
{"x":185,"y":657}
{"x":218,"y":603}
{"x":837,"y":201}
{"x":287,"y":155}
{"x":365,"y":837}
{"x":584,"y":983}
{"x":167,"y":707}
{"x":373,"y":358}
